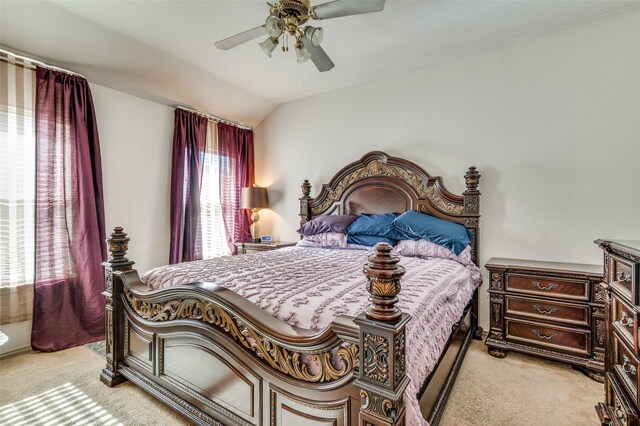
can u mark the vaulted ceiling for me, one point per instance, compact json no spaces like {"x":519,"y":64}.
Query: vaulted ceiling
{"x":164,"y":50}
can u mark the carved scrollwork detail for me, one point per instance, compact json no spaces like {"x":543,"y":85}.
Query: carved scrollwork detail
{"x":108,"y":279}
{"x":496,"y":312}
{"x":471,"y":205}
{"x":285,"y":360}
{"x":399,"y":355}
{"x":376,"y":358}
{"x":601,"y":293}
{"x":383,"y":287}
{"x":379,"y":405}
{"x":600,"y":332}
{"x":381,"y":168}
{"x":496,"y":280}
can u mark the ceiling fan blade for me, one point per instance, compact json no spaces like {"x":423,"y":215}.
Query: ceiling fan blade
{"x":243,"y":37}
{"x":338,"y":8}
{"x":318,"y":56}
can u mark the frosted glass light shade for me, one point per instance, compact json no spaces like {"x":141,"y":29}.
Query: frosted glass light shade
{"x":302,"y":54}
{"x":269,"y":45}
{"x":315,"y":35}
{"x":274,"y":26}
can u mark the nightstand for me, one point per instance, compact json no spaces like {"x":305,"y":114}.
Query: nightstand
{"x":250,"y":247}
{"x":548,"y":309}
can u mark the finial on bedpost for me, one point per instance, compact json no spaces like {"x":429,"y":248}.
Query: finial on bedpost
{"x":382,"y":377}
{"x":472,"y":178}
{"x":118,"y":244}
{"x":305,"y":211}
{"x":383,"y":284}
{"x":306,"y":188}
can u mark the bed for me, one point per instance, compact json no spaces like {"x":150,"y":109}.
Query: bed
{"x":247,"y":357}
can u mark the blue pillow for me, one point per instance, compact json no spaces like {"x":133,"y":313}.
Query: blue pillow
{"x":369,"y":240}
{"x":419,"y":225}
{"x":379,"y":225}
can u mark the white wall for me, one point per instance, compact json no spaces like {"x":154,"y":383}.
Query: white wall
{"x":135,"y":141}
{"x":551,"y":121}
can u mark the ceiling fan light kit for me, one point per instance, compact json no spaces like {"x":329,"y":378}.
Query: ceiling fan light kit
{"x":287,"y":18}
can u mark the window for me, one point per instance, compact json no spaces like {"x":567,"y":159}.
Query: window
{"x":213,"y":232}
{"x":17,"y":189}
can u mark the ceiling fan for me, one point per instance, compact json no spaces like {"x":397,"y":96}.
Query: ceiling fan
{"x":287,"y":18}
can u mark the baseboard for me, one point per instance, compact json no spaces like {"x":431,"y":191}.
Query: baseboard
{"x":18,"y":338}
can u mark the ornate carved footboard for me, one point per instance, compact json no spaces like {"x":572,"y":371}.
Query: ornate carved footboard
{"x":219,"y":359}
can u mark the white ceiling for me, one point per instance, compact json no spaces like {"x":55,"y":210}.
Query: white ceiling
{"x":163,"y":50}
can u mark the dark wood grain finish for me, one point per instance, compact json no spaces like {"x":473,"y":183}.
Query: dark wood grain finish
{"x":554,"y":287}
{"x":564,"y":313}
{"x":564,"y":339}
{"x":624,"y":320}
{"x":621,"y":288}
{"x":218,"y":359}
{"x":548,"y":309}
{"x":625,"y":366}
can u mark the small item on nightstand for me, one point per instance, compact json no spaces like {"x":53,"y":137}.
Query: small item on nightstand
{"x":548,"y":309}
{"x":254,"y":198}
{"x":265,"y":239}
{"x":252,"y":247}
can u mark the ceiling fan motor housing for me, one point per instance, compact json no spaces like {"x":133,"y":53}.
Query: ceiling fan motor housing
{"x":292,"y":8}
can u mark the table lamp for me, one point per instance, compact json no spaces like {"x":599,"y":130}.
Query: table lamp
{"x":254,"y":198}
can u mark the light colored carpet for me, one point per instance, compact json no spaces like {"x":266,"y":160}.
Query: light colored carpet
{"x":38,"y":388}
{"x":520,"y":390}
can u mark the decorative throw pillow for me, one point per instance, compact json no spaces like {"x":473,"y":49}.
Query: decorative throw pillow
{"x":424,"y":248}
{"x":379,"y":225}
{"x":422,"y":226}
{"x":322,"y":224}
{"x":328,"y":239}
{"x":369,"y":240}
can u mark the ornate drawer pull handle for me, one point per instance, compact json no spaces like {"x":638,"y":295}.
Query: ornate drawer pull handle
{"x":626,"y":367}
{"x":551,"y":310}
{"x":551,"y":286}
{"x":625,"y":320}
{"x":544,"y":336}
{"x":624,"y":276}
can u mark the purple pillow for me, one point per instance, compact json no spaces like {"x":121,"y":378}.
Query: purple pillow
{"x":322,"y":224}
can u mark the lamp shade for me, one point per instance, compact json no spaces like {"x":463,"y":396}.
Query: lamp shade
{"x":254,"y":198}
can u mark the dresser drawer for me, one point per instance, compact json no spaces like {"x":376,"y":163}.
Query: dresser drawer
{"x":564,"y":288}
{"x":623,"y":276}
{"x":625,"y":365}
{"x":568,"y":313}
{"x":622,"y":411}
{"x":625,"y":320}
{"x":563,"y":339}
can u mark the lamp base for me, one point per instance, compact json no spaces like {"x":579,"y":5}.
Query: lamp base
{"x":255,"y":228}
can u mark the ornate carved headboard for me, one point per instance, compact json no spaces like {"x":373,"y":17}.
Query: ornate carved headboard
{"x":380,"y":183}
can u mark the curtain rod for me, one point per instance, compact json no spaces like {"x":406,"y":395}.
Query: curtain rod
{"x":217,"y":118}
{"x":32,"y":61}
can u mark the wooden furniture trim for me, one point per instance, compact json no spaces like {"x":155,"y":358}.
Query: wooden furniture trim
{"x":251,"y":340}
{"x":591,"y":356}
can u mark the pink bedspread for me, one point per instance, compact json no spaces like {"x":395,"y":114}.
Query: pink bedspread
{"x":308,"y":287}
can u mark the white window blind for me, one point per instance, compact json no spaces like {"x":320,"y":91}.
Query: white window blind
{"x":17,"y":188}
{"x":212,"y":228}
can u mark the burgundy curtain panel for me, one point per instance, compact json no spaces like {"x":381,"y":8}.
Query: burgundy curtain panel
{"x":69,"y":215}
{"x":235,"y":154}
{"x":189,"y":143}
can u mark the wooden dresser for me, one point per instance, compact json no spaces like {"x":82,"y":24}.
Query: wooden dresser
{"x":622,"y":287}
{"x":547,"y":309}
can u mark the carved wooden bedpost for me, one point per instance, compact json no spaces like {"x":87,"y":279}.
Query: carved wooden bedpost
{"x":117,"y":244}
{"x":305,"y":210}
{"x":472,"y":207}
{"x":382,"y":378}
